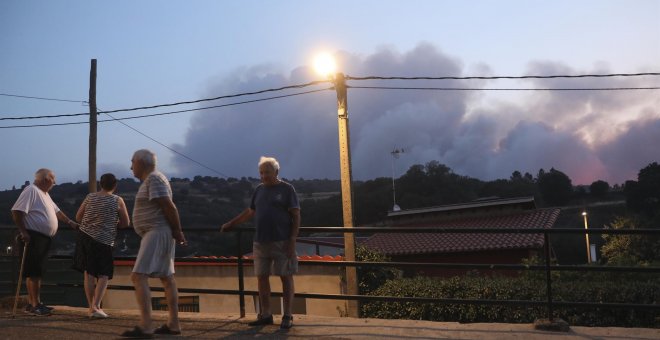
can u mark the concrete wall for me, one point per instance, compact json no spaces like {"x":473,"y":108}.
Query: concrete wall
{"x":310,"y":279}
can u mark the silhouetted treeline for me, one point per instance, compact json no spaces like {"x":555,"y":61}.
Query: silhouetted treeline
{"x":209,"y":201}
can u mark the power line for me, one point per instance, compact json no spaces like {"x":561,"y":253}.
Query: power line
{"x":324,"y":81}
{"x":218,"y":106}
{"x":165,"y":146}
{"x":503,"y":89}
{"x":52,"y":116}
{"x":171,"y":104}
{"x":224,"y":97}
{"x":42,"y":98}
{"x":508,"y":77}
{"x":169,"y":113}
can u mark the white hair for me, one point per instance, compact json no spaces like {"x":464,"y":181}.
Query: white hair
{"x":41,"y":174}
{"x":147,"y":157}
{"x":270,"y":161}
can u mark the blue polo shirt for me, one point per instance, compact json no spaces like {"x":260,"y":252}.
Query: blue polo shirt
{"x":271,"y":204}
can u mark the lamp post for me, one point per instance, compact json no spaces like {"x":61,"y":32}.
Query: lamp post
{"x":325,"y":65}
{"x":346,"y":190}
{"x":586,"y":236}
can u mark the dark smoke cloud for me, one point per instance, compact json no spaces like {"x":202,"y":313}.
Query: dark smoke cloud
{"x":583,"y":133}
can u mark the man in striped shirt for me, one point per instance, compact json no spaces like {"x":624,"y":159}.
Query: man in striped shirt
{"x":156,"y":220}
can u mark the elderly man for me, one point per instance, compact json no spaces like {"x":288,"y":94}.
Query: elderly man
{"x":36,"y":216}
{"x":277,"y":211}
{"x":156,"y":220}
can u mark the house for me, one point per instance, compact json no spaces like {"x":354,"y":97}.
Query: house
{"x":223,"y":276}
{"x":486,"y":248}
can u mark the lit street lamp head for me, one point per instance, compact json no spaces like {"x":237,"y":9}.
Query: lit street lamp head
{"x":324,"y":65}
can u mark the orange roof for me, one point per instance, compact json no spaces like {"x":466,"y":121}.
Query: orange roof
{"x":213,"y":263}
{"x":433,"y":243}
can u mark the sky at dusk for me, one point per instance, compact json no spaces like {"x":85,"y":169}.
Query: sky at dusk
{"x":158,"y":52}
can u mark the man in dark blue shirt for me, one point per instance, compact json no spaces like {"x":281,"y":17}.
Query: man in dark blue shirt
{"x":275,"y":205}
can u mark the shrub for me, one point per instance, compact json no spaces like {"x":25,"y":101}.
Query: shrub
{"x":567,"y":286}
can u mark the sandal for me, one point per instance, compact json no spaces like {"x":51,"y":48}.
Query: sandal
{"x":287,"y":322}
{"x":137,"y":333}
{"x":164,"y":329}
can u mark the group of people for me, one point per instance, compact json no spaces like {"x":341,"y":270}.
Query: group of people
{"x":155,"y":219}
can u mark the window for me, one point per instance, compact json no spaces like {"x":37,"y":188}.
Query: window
{"x":186,"y":303}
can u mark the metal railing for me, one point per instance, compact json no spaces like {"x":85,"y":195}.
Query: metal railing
{"x":546,"y":267}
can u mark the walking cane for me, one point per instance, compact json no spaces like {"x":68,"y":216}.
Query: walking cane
{"x":20,"y":279}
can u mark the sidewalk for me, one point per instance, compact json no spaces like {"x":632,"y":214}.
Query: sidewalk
{"x":72,"y":323}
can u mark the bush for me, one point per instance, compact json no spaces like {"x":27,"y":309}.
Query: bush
{"x":567,"y":286}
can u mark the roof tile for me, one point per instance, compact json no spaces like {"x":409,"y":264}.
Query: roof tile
{"x":427,"y":243}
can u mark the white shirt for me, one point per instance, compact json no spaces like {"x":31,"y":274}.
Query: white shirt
{"x":40,"y":210}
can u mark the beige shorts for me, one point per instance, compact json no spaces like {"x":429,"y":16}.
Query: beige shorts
{"x":270,"y":259}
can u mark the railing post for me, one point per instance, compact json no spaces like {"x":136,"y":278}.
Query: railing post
{"x":548,"y":279}
{"x":241,"y":286}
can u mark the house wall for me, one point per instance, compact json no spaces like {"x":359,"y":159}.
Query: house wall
{"x":310,"y":279}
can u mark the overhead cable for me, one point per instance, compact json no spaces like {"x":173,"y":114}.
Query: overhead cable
{"x":42,"y":98}
{"x":167,"y":147}
{"x":172,"y":104}
{"x":508,"y":77}
{"x":168,"y":113}
{"x":52,"y":116}
{"x":224,"y":97}
{"x":503,"y":89}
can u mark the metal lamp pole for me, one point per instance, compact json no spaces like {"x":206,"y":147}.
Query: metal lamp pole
{"x":586,"y":236}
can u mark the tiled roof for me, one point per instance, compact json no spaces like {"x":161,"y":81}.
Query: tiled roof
{"x":478,"y":204}
{"x":211,"y":262}
{"x":433,"y":243}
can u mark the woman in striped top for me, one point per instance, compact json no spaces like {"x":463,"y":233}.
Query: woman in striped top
{"x":99,"y":215}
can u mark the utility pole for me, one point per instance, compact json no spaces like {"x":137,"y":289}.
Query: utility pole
{"x":92,"y":127}
{"x":346,"y":191}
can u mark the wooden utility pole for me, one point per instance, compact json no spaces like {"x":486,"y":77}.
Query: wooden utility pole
{"x":92,"y":127}
{"x":346,"y":191}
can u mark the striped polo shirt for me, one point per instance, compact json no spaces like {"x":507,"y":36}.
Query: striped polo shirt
{"x":147,"y":214}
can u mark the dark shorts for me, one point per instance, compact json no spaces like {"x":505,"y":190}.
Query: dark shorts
{"x":93,"y":257}
{"x":36,"y":254}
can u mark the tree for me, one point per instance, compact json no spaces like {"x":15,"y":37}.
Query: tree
{"x":599,"y":188}
{"x":643,"y":195}
{"x":630,"y":249}
{"x":555,"y":187}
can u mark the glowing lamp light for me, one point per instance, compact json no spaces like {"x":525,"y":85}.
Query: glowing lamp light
{"x":324,"y":64}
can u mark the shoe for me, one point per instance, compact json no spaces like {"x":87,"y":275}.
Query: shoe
{"x":99,"y":314}
{"x":28,"y":309}
{"x":164,"y":329}
{"x":137,"y":333}
{"x":40,"y":311}
{"x":287,"y":322}
{"x":44,"y":306}
{"x":262,"y":321}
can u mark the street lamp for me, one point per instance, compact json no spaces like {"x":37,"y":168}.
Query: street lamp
{"x":325,"y":65}
{"x":586,"y":236}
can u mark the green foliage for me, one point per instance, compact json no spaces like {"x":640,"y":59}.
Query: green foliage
{"x":574,"y":287}
{"x":627,"y":250}
{"x":373,"y":277}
